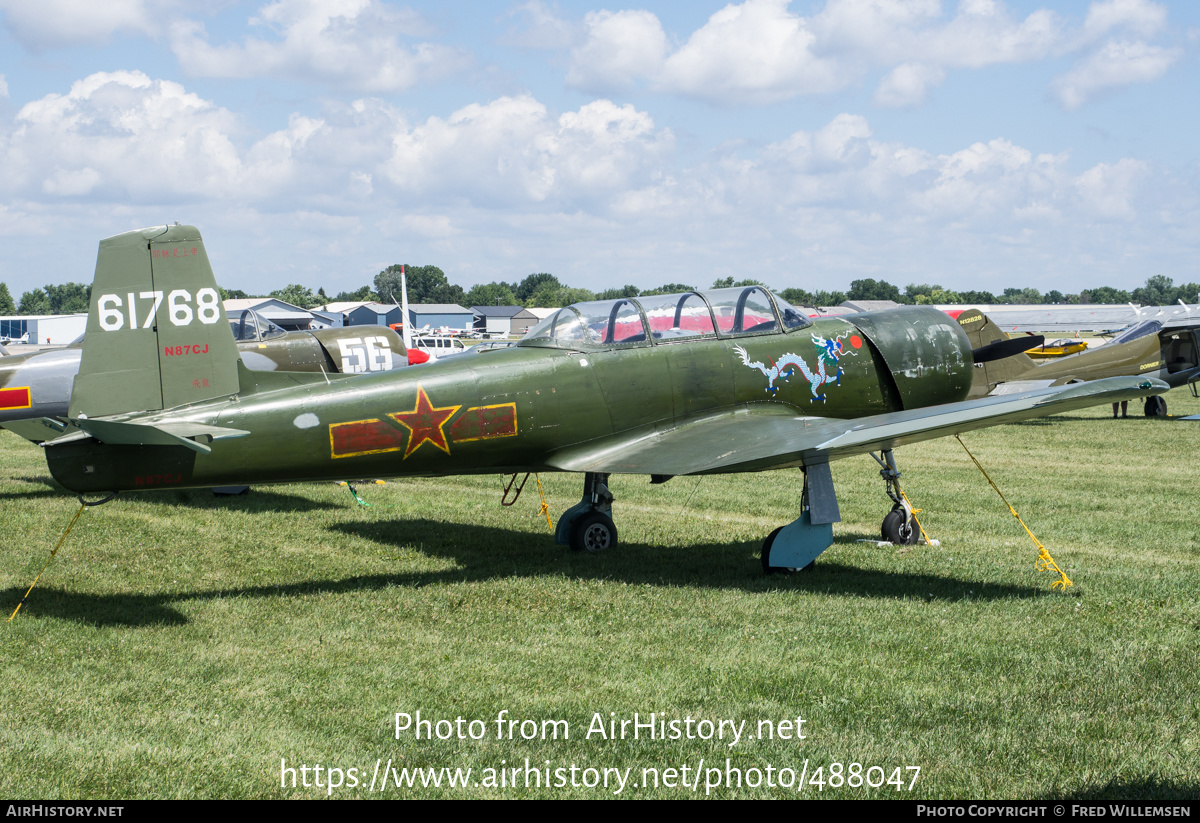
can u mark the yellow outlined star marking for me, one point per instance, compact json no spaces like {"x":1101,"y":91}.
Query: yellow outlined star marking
{"x":425,"y":423}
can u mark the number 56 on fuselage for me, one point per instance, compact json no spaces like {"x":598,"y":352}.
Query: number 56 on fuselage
{"x":729,"y":380}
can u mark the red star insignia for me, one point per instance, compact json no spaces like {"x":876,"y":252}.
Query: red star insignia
{"x":425,"y":422}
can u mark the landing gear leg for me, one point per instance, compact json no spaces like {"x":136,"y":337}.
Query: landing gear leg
{"x":588,"y":525}
{"x":899,"y":526}
{"x":795,"y":547}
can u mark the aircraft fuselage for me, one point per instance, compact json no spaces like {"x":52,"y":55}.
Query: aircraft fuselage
{"x":512,"y":409}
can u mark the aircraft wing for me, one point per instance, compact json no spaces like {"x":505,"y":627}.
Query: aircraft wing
{"x":761,"y":436}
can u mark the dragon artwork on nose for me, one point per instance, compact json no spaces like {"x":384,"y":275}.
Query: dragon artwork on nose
{"x":830,"y":350}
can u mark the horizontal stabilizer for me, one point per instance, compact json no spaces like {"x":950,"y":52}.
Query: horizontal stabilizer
{"x":1007,"y":348}
{"x":35,"y":430}
{"x":195,"y":436}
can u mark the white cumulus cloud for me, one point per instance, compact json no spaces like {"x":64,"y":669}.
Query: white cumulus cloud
{"x":619,"y":49}
{"x":124,"y":135}
{"x":513,"y":151}
{"x":1108,"y":190}
{"x":511,"y":182}
{"x":907,"y":84}
{"x":539,"y":27}
{"x":1139,"y":17}
{"x":355,"y":44}
{"x":53,"y":23}
{"x":756,"y":52}
{"x":761,"y":52}
{"x":1113,"y":66}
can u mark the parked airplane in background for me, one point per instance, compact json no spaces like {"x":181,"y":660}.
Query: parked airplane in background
{"x":1145,"y":349}
{"x":38,"y":384}
{"x":1062,"y":347}
{"x":728,"y":380}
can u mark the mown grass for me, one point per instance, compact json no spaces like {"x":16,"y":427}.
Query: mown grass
{"x":181,"y":645}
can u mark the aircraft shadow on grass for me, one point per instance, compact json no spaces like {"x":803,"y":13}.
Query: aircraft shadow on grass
{"x":1055,"y":419}
{"x":261,"y":498}
{"x":43,"y":487}
{"x":487,"y":553}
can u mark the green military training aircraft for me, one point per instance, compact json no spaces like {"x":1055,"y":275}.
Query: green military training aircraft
{"x":1150,"y":348}
{"x":728,"y":380}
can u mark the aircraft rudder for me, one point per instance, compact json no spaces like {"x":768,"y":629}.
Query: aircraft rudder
{"x":196,"y":350}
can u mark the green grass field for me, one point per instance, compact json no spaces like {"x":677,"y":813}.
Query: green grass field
{"x":186,"y":646}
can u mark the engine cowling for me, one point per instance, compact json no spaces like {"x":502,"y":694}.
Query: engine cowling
{"x":925,"y":351}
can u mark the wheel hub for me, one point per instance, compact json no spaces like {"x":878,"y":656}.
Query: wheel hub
{"x":596,"y":538}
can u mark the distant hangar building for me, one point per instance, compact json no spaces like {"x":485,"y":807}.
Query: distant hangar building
{"x":436,"y":315}
{"x":374,"y":314}
{"x":505,"y":321}
{"x":281,"y":313}
{"x":43,"y":329}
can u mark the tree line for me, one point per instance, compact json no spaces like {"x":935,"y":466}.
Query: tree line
{"x":429,"y":284}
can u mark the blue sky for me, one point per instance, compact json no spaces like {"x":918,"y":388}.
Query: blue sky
{"x":976,"y":144}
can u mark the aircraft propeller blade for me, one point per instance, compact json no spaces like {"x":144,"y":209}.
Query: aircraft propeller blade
{"x":1007,"y":348}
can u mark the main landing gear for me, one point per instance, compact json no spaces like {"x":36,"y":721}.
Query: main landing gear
{"x":1155,"y":406}
{"x":796,"y":546}
{"x":899,"y":526}
{"x":588,"y":525}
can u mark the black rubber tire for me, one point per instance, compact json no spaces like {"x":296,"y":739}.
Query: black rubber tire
{"x":765,"y":556}
{"x":593,"y":532}
{"x":895,"y":530}
{"x":1156,"y":407}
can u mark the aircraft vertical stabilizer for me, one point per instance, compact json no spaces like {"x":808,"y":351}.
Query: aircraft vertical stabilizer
{"x":157,"y":336}
{"x":981,"y":331}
